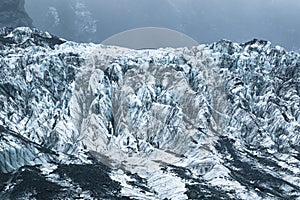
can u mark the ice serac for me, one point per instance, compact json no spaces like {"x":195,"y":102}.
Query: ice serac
{"x":214,"y":121}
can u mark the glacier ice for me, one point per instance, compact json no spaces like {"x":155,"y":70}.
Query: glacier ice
{"x":214,"y":121}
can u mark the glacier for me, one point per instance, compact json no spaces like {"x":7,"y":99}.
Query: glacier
{"x":216,"y":121}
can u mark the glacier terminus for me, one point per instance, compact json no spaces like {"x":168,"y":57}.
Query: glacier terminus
{"x":88,"y":121}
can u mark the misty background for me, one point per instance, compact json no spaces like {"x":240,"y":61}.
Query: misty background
{"x":206,"y":21}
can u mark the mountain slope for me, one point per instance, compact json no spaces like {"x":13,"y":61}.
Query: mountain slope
{"x":13,"y":14}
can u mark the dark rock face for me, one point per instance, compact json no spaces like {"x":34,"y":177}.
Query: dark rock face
{"x":12,"y":14}
{"x":29,"y":182}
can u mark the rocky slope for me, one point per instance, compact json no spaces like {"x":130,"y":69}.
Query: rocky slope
{"x":12,"y":14}
{"x":217,"y":121}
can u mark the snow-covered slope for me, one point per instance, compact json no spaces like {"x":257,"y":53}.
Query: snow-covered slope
{"x":215,"y":121}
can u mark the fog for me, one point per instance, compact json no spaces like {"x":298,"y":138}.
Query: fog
{"x":206,"y":21}
{"x":150,"y":38}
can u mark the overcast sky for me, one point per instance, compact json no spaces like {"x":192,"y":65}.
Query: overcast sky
{"x":204,"y":20}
